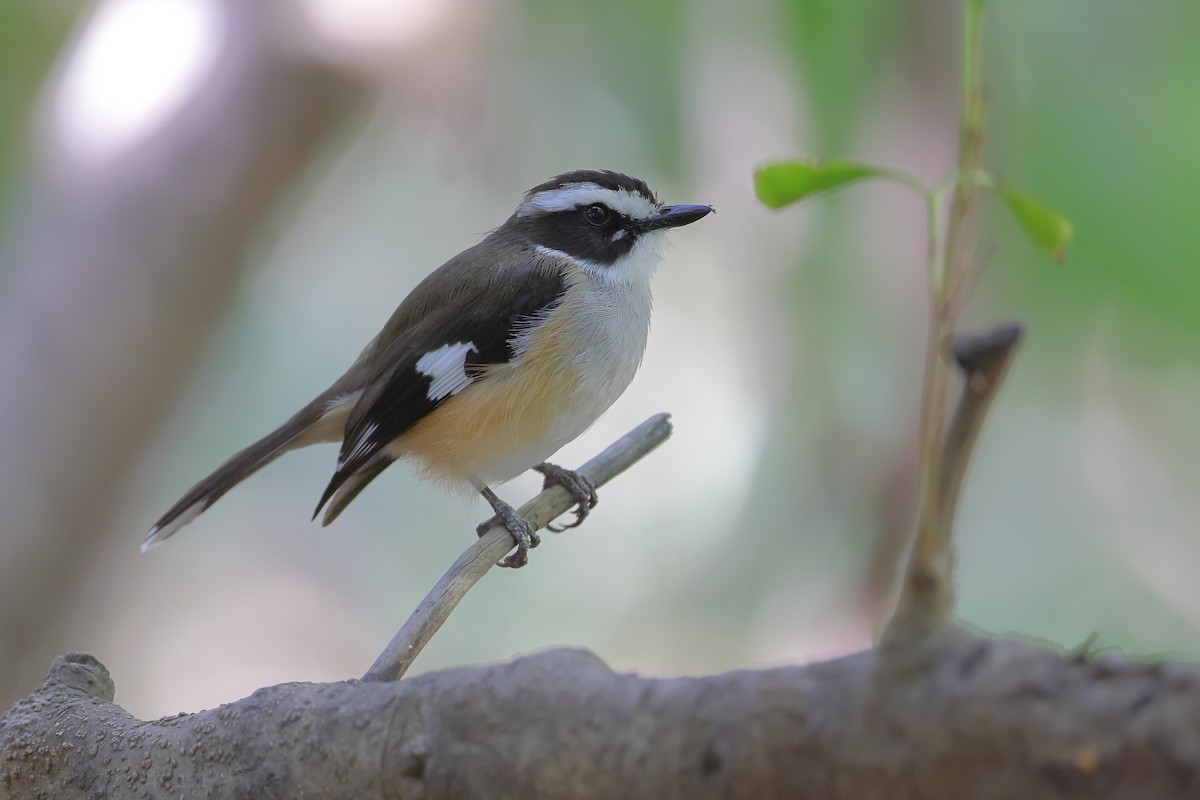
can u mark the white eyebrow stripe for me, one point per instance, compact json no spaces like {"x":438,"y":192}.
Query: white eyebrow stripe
{"x":573,"y":195}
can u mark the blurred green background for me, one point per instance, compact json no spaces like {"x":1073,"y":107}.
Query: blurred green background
{"x":786,"y":345}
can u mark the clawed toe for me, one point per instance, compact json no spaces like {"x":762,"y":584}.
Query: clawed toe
{"x":581,"y":512}
{"x":522,"y":531}
{"x":580,"y":488}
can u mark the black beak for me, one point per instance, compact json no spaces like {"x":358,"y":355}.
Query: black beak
{"x":674,"y":216}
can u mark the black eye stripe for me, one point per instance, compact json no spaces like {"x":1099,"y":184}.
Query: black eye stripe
{"x":570,"y":232}
{"x":614,"y":219}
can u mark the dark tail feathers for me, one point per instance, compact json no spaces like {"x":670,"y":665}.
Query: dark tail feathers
{"x":235,"y":470}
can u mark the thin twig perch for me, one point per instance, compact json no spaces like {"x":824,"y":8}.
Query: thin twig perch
{"x":481,"y":556}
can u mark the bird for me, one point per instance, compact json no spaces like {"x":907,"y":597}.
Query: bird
{"x":497,"y":359}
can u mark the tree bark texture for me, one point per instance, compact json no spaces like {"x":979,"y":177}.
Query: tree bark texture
{"x":949,"y":714}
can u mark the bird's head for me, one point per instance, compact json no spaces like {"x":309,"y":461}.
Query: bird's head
{"x":610,"y":224}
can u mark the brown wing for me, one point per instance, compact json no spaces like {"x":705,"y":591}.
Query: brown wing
{"x":415,"y":362}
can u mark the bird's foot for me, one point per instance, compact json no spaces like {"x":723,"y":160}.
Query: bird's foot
{"x":522,"y":531}
{"x":580,"y":488}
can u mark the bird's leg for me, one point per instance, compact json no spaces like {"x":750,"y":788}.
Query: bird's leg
{"x":583,"y":490}
{"x":522,"y":531}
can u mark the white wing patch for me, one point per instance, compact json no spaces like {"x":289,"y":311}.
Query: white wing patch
{"x":574,"y":195}
{"x":447,"y":368}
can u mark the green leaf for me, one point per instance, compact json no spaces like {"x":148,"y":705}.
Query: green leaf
{"x":1047,"y":228}
{"x":778,"y":185}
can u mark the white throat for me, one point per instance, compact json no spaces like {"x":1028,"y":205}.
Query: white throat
{"x":635,"y":268}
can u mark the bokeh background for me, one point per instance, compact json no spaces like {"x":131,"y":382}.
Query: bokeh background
{"x":210,"y":206}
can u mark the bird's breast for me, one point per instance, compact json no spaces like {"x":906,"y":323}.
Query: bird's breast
{"x":567,"y":371}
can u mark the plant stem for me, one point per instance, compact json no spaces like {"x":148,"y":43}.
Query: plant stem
{"x":933,"y":384}
{"x":951,"y":245}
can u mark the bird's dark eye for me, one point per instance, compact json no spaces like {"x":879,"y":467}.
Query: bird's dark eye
{"x":597,"y":214}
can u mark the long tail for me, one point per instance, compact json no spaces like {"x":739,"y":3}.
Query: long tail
{"x":235,"y":470}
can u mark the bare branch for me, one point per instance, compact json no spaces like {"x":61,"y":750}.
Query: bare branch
{"x":945,"y":715}
{"x":983,"y":357}
{"x":481,"y":556}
